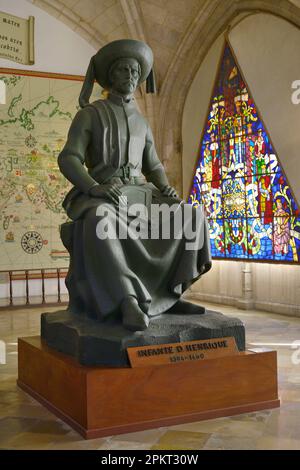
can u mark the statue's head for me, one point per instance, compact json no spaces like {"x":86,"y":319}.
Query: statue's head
{"x":124,"y":75}
{"x":121,"y":66}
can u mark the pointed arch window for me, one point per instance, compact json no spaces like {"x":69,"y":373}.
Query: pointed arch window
{"x":251,"y":211}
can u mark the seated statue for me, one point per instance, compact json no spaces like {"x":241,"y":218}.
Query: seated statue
{"x":110,"y":159}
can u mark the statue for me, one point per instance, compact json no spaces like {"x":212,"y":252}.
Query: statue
{"x":109,"y":154}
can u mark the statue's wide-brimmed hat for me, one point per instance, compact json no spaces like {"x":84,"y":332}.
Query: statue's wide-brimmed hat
{"x":124,"y":48}
{"x":102,"y":61}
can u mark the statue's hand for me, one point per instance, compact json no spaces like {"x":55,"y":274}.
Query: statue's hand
{"x":169,"y":191}
{"x":107,"y":191}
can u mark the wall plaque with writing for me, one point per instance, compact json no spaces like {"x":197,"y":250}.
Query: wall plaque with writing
{"x":17,"y":38}
{"x":174,"y":353}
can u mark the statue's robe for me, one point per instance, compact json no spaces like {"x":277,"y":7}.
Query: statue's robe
{"x":105,"y":137}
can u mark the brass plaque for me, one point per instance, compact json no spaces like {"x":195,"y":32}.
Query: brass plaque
{"x":175,"y":353}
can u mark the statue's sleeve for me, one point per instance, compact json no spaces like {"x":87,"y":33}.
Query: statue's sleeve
{"x":72,"y":157}
{"x":152,"y":167}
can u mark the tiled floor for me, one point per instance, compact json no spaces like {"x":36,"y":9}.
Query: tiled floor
{"x":24,"y":424}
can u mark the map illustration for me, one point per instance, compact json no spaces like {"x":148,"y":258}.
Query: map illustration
{"x":34,"y":124}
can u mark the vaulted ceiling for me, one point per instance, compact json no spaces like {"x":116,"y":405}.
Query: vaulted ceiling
{"x":162,"y":23}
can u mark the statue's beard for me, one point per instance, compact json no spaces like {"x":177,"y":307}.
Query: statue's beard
{"x":127,"y":87}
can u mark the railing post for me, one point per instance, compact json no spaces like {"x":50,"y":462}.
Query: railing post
{"x":27,"y":275}
{"x":43,"y":286}
{"x":10,"y":288}
{"x":58,"y":286}
{"x":27,"y":287}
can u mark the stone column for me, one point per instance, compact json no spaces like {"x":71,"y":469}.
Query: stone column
{"x":246,"y":302}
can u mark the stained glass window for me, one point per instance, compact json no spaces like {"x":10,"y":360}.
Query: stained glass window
{"x":251,"y":211}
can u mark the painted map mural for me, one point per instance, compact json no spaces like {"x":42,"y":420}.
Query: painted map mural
{"x":34,"y":122}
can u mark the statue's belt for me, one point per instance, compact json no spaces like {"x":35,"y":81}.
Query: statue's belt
{"x":127,"y":172}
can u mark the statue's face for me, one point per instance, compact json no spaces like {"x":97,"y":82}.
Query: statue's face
{"x":124,"y":76}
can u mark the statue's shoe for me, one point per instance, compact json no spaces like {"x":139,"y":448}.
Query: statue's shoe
{"x":134,"y":319}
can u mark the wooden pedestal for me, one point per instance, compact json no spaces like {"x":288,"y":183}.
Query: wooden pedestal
{"x":101,"y":401}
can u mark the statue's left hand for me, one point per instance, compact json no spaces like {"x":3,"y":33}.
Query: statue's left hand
{"x":108,"y":191}
{"x":169,"y":191}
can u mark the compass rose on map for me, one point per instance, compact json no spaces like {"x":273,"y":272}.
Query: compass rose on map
{"x":31,"y":242}
{"x":30,"y":141}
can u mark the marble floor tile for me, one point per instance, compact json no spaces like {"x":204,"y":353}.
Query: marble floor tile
{"x":123,"y":445}
{"x":259,"y":416}
{"x":15,"y":425}
{"x":290,"y":407}
{"x":223,"y":442}
{"x":283,"y":425}
{"x":79,"y":444}
{"x":24,"y":409}
{"x":269,"y":443}
{"x":228,"y":426}
{"x":209,"y":426}
{"x":149,"y":437}
{"x":181,"y":440}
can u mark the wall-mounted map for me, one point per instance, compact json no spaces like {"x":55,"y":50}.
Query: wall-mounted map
{"x":34,"y":124}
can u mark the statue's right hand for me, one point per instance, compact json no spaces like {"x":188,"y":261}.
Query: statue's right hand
{"x":107,"y":191}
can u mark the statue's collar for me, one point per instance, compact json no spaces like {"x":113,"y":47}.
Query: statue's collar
{"x":119,"y":99}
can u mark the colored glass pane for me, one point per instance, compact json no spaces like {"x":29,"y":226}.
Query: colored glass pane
{"x":250,"y":207}
{"x":236,"y":244}
{"x":217,"y":237}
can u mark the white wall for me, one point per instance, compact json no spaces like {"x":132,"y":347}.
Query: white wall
{"x":267,"y":49}
{"x":57,"y":48}
{"x":195,"y":111}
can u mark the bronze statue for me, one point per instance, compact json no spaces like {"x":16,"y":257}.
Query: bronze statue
{"x":110,"y":146}
{"x":126,"y":291}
